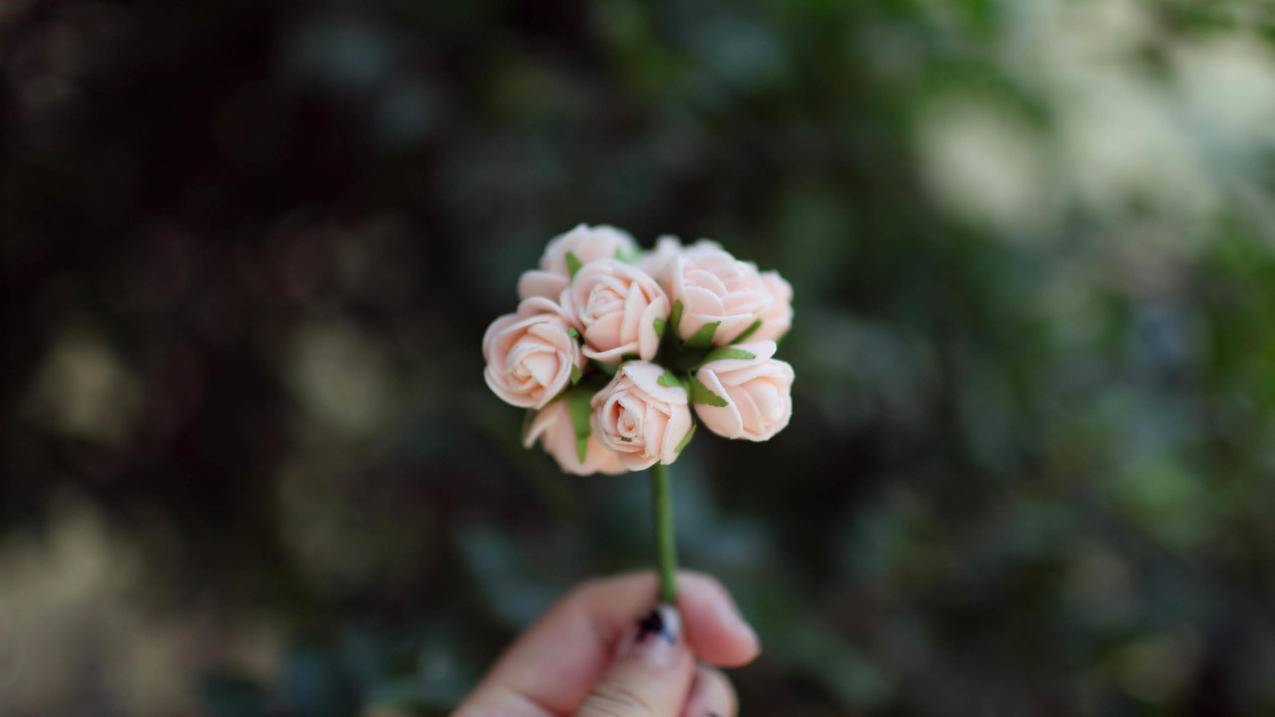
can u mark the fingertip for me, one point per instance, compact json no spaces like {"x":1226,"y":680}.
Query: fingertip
{"x":712,"y":695}
{"x":717,"y":631}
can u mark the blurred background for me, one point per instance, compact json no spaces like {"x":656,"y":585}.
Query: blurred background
{"x":250,"y":248}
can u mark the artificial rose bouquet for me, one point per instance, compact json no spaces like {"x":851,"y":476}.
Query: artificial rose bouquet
{"x":611,"y":348}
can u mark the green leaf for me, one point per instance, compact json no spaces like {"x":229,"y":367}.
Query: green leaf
{"x":660,"y":325}
{"x":703,"y":338}
{"x":578,"y":400}
{"x":571,"y":331}
{"x":703,"y":394}
{"x":576,"y":374}
{"x":752,"y":329}
{"x":670,"y":379}
{"x":627,"y":257}
{"x":629,"y":357}
{"x":675,"y":316}
{"x":728,"y":352}
{"x":607,"y":368}
{"x":687,"y":438}
{"x":573,"y":263}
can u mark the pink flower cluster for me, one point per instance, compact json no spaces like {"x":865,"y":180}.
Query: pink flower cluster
{"x":611,"y":348}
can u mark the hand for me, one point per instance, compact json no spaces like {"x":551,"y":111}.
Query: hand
{"x":604,"y":651}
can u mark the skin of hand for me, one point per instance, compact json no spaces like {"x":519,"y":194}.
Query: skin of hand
{"x":606,"y":650}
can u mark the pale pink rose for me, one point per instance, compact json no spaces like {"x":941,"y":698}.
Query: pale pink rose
{"x":715,"y":287}
{"x":529,"y":354}
{"x":777,"y":318}
{"x":552,"y":426}
{"x":615,"y":305}
{"x":587,"y":244}
{"x":758,"y":393}
{"x":640,"y":419}
{"x":659,"y":261}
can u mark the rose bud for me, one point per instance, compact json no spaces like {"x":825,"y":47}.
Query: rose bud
{"x":777,"y":318}
{"x":641,"y":419}
{"x":552,"y":426}
{"x":616,"y":305}
{"x":757,"y":393}
{"x":530,"y":354}
{"x":584,"y":244}
{"x":716,"y":288}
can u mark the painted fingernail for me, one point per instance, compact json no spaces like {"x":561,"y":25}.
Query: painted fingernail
{"x":656,"y":636}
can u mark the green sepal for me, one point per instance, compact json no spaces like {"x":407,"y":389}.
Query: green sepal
{"x":752,"y":329}
{"x":576,"y":374}
{"x":681,"y":445}
{"x":670,"y":379}
{"x":579,"y":399}
{"x":627,"y":257}
{"x":573,"y":263}
{"x":728,"y":352}
{"x":607,"y":368}
{"x":703,"y":394}
{"x":571,"y":331}
{"x":675,"y":316}
{"x":659,"y":325}
{"x":703,"y":338}
{"x":629,"y":357}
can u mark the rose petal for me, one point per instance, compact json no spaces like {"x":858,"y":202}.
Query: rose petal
{"x":646,"y":376}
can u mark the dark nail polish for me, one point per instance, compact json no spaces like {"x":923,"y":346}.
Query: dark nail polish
{"x":655,"y":636}
{"x":660,"y":622}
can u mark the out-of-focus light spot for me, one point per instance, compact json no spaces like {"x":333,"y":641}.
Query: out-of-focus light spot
{"x":83,"y":389}
{"x":1126,"y":153}
{"x":339,"y":52}
{"x":1160,"y":667}
{"x":1100,"y":584}
{"x":1228,"y":86}
{"x":71,"y":615}
{"x":984,"y":163}
{"x":339,"y":378}
{"x":405,"y":116}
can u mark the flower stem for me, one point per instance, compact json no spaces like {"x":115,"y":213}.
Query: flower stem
{"x":662,"y":505}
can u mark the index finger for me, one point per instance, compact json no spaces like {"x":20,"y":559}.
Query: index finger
{"x":550,"y":669}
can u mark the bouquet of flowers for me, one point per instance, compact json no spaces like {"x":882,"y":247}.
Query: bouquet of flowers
{"x":611,"y":348}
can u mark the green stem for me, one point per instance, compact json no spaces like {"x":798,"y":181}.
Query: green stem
{"x":662,"y":504}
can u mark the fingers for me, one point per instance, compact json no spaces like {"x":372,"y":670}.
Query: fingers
{"x":717,"y":632}
{"x":650,"y":675}
{"x":711,"y":695}
{"x":554,"y":664}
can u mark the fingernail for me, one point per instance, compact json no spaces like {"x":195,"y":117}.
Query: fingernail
{"x":656,"y":636}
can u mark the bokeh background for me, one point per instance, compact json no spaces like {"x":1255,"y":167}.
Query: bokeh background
{"x":250,"y":467}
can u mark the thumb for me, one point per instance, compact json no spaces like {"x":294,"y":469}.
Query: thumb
{"x":651,"y":673}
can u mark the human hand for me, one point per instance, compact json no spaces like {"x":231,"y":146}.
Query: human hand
{"x":603,"y":651}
